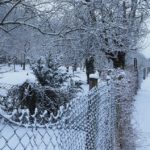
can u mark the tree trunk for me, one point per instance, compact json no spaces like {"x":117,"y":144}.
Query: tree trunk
{"x":14,"y":66}
{"x":24,"y":66}
{"x":24,"y":63}
{"x":117,"y":59}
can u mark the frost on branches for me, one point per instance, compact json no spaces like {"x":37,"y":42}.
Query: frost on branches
{"x":48,"y":73}
{"x":123,"y":90}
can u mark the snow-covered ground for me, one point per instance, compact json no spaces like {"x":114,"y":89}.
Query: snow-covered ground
{"x":8,"y":76}
{"x":142,"y":116}
{"x":19,"y":138}
{"x":80,"y":75}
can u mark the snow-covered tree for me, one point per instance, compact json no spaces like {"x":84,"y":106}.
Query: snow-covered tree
{"x":105,"y":28}
{"x":48,"y":72}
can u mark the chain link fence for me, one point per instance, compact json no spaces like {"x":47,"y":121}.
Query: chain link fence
{"x":88,"y":123}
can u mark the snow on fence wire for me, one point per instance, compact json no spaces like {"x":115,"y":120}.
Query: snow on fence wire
{"x":4,"y":89}
{"x":124,"y":90}
{"x":86,"y":124}
{"x":91,"y":116}
{"x":90,"y":122}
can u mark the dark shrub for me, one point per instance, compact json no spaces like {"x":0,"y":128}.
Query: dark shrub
{"x":40,"y":102}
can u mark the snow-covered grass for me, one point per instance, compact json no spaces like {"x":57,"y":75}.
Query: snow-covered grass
{"x":142,"y":115}
{"x":8,"y":76}
{"x":78,"y":76}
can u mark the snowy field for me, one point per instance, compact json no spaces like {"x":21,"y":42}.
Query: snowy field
{"x":8,"y":76}
{"x":142,"y":116}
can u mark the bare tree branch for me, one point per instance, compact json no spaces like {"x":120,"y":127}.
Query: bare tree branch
{"x":9,"y":12}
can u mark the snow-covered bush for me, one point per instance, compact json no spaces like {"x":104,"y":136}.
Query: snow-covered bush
{"x":32,"y":102}
{"x":73,"y":89}
{"x":48,"y":72}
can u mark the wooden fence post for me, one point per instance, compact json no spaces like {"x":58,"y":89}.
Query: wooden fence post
{"x":93,"y":81}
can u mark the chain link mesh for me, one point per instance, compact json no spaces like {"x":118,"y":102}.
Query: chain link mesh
{"x":88,"y":123}
{"x":84,"y":125}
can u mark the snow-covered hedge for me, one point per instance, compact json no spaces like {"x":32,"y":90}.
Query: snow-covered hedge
{"x":123,"y":89}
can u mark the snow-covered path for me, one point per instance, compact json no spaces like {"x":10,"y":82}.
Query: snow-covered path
{"x":142,"y":116}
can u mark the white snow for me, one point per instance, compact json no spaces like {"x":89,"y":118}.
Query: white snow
{"x":3,"y":92}
{"x":9,"y":77}
{"x":80,"y":75}
{"x":94,"y":75}
{"x":20,"y":138}
{"x":17,"y":77}
{"x":142,"y":116}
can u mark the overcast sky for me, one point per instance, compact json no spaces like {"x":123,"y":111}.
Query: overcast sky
{"x":146,"y":43}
